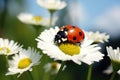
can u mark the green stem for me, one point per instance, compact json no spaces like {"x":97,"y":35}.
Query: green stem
{"x":46,"y":76}
{"x":113,"y":75}
{"x":51,"y":15}
{"x":89,"y":72}
{"x":60,"y":70}
{"x":7,"y":64}
{"x":44,"y":60}
{"x":36,"y":27}
{"x":30,"y":75}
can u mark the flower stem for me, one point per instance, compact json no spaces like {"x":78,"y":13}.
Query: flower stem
{"x":60,"y":70}
{"x":51,"y":15}
{"x":46,"y":76}
{"x":7,"y":64}
{"x":89,"y":72}
{"x":30,"y":75}
{"x":113,"y":75}
{"x":36,"y":27}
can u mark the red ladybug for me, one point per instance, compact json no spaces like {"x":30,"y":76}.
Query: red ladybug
{"x":69,"y":33}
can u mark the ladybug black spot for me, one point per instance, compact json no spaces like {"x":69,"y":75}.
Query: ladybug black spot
{"x":73,"y":26}
{"x":83,"y":37}
{"x":74,"y":38}
{"x":80,"y":33}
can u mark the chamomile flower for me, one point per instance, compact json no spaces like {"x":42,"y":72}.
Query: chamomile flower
{"x":52,"y":67}
{"x":97,"y":37}
{"x":86,"y":52}
{"x":114,"y":55}
{"x":9,"y":47}
{"x":52,"y":4}
{"x":23,"y":61}
{"x":35,"y":20}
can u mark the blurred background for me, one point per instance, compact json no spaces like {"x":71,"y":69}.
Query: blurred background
{"x":90,"y":15}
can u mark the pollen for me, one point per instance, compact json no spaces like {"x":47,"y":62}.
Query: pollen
{"x":1,"y":49}
{"x":37,"y":18}
{"x":70,"y":48}
{"x":54,"y":65}
{"x":5,"y":49}
{"x":24,"y":63}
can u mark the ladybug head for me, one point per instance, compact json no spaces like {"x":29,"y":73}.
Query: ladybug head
{"x":60,"y":37}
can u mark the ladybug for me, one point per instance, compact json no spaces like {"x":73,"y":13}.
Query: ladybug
{"x":69,"y":33}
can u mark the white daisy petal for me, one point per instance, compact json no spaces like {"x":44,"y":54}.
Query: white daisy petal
{"x":76,"y":61}
{"x":109,"y":70}
{"x":114,"y":54}
{"x":97,"y":37}
{"x":52,"y":4}
{"x":118,"y":72}
{"x":93,"y":57}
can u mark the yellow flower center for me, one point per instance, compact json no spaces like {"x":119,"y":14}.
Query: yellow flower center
{"x":54,"y":65}
{"x":24,"y":63}
{"x":70,"y":48}
{"x":5,"y":49}
{"x":37,"y":18}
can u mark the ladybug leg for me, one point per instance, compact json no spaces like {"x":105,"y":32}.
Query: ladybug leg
{"x":64,"y":39}
{"x":57,"y":39}
{"x":79,"y":43}
{"x":64,"y":35}
{"x":61,"y":36}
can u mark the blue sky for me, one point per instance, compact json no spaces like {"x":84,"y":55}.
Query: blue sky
{"x":97,"y":7}
{"x":102,"y":15}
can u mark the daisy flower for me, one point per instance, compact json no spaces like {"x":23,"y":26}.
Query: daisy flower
{"x":52,"y":4}
{"x":86,"y":52}
{"x":9,"y":47}
{"x":52,"y":67}
{"x":35,"y":20}
{"x":97,"y":37}
{"x":23,"y":61}
{"x":114,"y":55}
